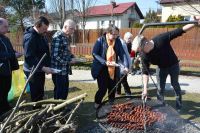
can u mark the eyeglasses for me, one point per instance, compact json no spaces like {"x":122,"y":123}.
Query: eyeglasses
{"x":71,"y":28}
{"x":115,"y":34}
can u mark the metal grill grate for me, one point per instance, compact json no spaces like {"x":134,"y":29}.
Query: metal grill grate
{"x":172,"y":123}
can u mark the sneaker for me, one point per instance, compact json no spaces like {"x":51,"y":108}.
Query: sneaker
{"x":162,"y":103}
{"x":178,"y":105}
{"x":178,"y":108}
{"x":117,"y":95}
{"x":111,"y":102}
{"x":133,"y":73}
{"x":128,"y":97}
{"x":128,"y":94}
{"x":138,"y":72}
{"x":96,"y":106}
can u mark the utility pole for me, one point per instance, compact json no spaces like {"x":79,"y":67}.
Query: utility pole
{"x":84,"y":13}
{"x":62,"y":3}
{"x":113,"y":5}
{"x":72,"y":9}
{"x":34,"y":10}
{"x":72,"y":13}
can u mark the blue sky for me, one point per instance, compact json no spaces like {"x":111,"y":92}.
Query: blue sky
{"x":144,"y":5}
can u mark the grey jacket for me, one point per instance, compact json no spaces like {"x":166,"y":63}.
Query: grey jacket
{"x":128,"y":58}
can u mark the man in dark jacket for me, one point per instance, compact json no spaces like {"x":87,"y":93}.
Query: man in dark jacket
{"x":35,"y":46}
{"x":158,"y":51}
{"x":8,"y":63}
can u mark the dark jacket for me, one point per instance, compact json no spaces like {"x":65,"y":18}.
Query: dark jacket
{"x":99,"y":54}
{"x":8,"y":60}
{"x":35,"y":46}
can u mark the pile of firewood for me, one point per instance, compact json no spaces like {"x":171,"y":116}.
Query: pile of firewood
{"x":47,"y":116}
{"x":42,"y":116}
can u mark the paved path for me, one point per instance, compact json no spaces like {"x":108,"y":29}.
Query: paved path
{"x":189,"y":84}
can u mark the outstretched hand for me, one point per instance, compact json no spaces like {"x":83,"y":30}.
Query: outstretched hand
{"x":144,"y":95}
{"x":197,"y":18}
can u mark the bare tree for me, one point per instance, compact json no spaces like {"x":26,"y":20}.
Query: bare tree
{"x":18,"y":11}
{"x":56,"y":10}
{"x":60,"y":10}
{"x":73,"y":9}
{"x":82,"y":6}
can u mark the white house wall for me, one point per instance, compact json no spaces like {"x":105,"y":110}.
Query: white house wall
{"x":125,"y":20}
{"x":53,"y":27}
{"x":179,"y":9}
{"x":121,"y":21}
{"x":96,"y":22}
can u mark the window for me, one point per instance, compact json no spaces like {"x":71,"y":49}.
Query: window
{"x":112,"y":22}
{"x":102,"y":22}
{"x":187,"y":18}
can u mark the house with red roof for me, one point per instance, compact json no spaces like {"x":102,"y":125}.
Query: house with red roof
{"x":122,"y":15}
{"x":186,"y":8}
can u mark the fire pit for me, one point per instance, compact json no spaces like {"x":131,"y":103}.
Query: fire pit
{"x":128,"y":115}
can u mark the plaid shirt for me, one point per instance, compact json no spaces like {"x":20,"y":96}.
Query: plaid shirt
{"x":60,"y":52}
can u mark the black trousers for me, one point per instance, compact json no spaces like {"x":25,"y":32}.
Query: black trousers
{"x":105,"y":83}
{"x":61,"y":86}
{"x":36,"y":86}
{"x":162,"y":74}
{"x":5,"y":85}
{"x":125,"y":85}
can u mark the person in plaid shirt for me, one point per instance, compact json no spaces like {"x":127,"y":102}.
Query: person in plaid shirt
{"x":60,"y":59}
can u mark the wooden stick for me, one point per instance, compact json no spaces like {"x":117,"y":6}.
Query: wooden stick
{"x":47,"y":101}
{"x":62,"y":105}
{"x":77,"y":106}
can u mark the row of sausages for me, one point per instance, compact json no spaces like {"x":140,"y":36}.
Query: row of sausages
{"x":133,"y":117}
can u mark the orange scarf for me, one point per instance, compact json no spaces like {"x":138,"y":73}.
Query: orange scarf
{"x":111,"y":56}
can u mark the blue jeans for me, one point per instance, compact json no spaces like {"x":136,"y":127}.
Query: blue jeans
{"x":162,"y":73}
{"x":61,"y":86}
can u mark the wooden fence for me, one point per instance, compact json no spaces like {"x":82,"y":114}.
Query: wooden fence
{"x":187,"y":47}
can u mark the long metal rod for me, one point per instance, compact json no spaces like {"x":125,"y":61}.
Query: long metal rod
{"x":164,"y":24}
